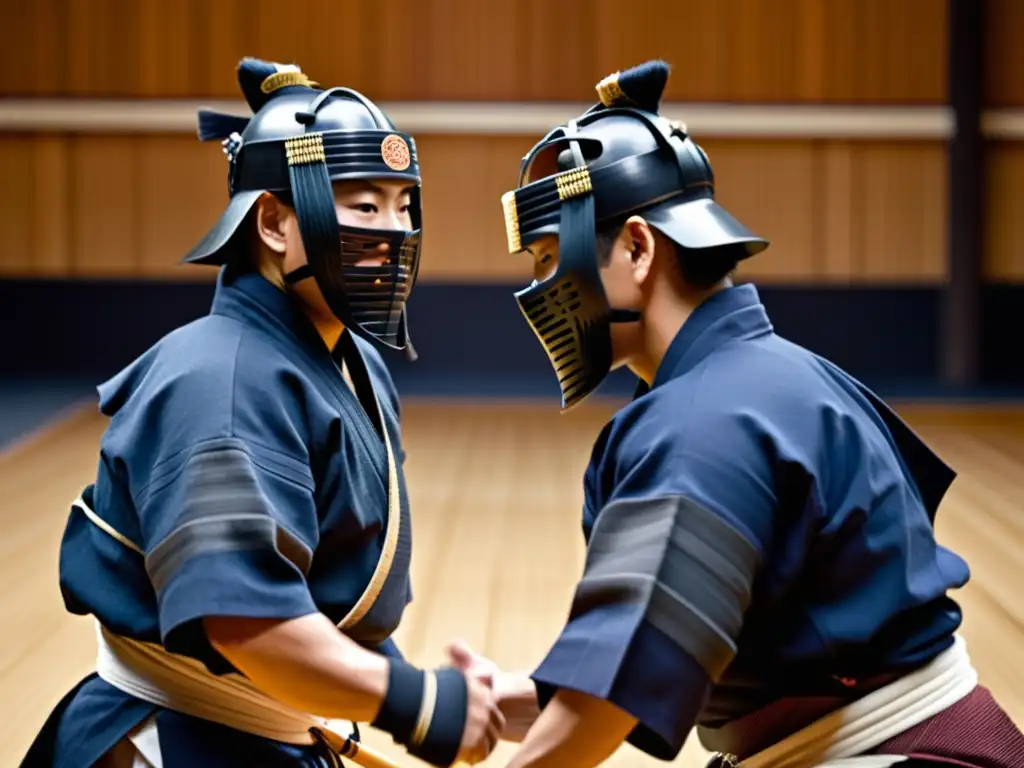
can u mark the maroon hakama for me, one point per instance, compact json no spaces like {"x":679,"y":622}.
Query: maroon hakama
{"x":973,"y":733}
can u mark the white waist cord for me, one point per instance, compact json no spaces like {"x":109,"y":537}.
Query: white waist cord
{"x":876,"y":718}
{"x":150,"y":673}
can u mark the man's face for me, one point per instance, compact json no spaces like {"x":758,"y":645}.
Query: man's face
{"x":619,"y":277}
{"x":373,"y":204}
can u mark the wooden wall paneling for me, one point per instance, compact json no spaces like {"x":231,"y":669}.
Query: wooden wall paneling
{"x":917,"y":65}
{"x":463,"y":181}
{"x":407,"y":65}
{"x":183,"y":189}
{"x":51,"y":206}
{"x":562,"y":50}
{"x":498,"y":59}
{"x":15,"y":208}
{"x":691,"y":47}
{"x":34,"y":206}
{"x":770,"y":188}
{"x":899,"y":49}
{"x":758,"y":65}
{"x":837,"y":211}
{"x":169,"y":61}
{"x":33,"y":56}
{"x":105,"y":205}
{"x":761,"y":49}
{"x":1004,"y":224}
{"x":813,"y":51}
{"x":839,"y":236}
{"x":225,"y":29}
{"x":730,"y":50}
{"x":291,"y":33}
{"x":1004,"y":55}
{"x":103,"y":49}
{"x":838,"y":35}
{"x":903,"y":204}
{"x":349,"y":47}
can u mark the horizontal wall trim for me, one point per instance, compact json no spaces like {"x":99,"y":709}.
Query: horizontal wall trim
{"x":509,"y":119}
{"x":1003,"y":124}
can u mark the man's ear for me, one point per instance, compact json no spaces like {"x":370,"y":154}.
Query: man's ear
{"x":270,"y":219}
{"x":639,"y":241}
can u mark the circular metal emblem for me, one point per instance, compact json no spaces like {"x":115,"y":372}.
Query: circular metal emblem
{"x":395,"y":152}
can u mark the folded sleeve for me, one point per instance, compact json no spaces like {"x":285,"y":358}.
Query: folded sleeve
{"x":230,"y":528}
{"x":672,"y":560}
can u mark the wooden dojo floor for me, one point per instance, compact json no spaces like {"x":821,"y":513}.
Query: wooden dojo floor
{"x":496,"y":496}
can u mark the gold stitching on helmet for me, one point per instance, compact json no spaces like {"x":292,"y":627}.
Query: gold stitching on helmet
{"x":608,"y":90}
{"x":508,"y":204}
{"x":573,"y":183}
{"x":305,"y":149}
{"x":280,"y":80}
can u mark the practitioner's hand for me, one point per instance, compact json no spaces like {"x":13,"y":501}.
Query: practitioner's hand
{"x":472,"y":664}
{"x":484,"y":721}
{"x":515,"y":693}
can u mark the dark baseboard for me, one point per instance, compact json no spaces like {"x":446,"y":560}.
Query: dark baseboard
{"x":27,"y":403}
{"x":473,"y":341}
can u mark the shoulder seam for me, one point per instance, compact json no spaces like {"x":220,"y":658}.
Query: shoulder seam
{"x":231,"y":419}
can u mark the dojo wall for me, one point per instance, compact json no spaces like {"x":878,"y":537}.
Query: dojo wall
{"x":94,"y":224}
{"x":481,"y":50}
{"x":130,"y":206}
{"x":1004,"y":90}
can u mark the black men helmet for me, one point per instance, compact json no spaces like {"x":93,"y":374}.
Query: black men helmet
{"x":299,"y":140}
{"x":617,"y":159}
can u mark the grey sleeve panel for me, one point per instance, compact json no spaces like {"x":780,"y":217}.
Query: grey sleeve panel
{"x":691,"y":569}
{"x":223,"y":509}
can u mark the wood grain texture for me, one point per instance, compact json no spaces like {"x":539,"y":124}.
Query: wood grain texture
{"x":496,"y":493}
{"x":1004,"y":225}
{"x":132,"y":206}
{"x":1004,"y":57}
{"x":851,"y":51}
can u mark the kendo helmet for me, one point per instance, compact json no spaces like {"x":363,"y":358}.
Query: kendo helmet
{"x":617,"y":159}
{"x":300,"y":139}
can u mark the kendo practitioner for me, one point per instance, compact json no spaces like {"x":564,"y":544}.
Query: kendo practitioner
{"x":761,"y":560}
{"x":245,"y":546}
